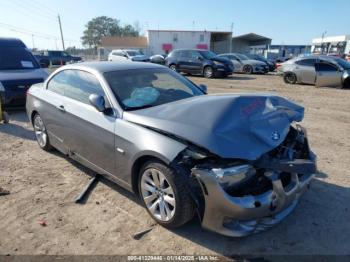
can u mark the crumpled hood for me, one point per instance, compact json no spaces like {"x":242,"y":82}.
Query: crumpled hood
{"x":243,"y":126}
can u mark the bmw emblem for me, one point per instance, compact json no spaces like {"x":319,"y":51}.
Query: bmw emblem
{"x":275,"y":136}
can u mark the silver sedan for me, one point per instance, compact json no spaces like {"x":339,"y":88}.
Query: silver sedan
{"x":316,"y":70}
{"x":235,"y":160}
{"x":243,"y":64}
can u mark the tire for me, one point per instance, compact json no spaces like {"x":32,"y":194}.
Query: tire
{"x":208,"y":72}
{"x":6,"y":117}
{"x":346,"y":83}
{"x":247,"y":69}
{"x":290,"y":78}
{"x":162,"y":189}
{"x":40,"y":133}
{"x":173,"y":67}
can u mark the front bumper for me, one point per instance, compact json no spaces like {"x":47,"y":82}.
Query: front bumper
{"x":264,"y":202}
{"x":261,"y":69}
{"x":14,"y":97}
{"x":224,"y":69}
{"x":242,"y":216}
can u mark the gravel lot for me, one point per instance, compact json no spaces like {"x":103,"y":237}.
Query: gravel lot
{"x":43,"y":187}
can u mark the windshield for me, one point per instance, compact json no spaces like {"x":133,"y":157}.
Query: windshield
{"x":141,"y":88}
{"x":12,"y":58}
{"x":134,"y":52}
{"x":208,"y":54}
{"x":242,"y":57}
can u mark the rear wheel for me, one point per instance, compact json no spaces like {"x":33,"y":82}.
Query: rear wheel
{"x":40,"y":133}
{"x":208,"y":72}
{"x":165,"y":195}
{"x":290,"y":78}
{"x":248,"y":69}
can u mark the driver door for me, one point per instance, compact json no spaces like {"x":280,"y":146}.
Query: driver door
{"x":89,"y":134}
{"x":238,"y":66}
{"x":328,"y":74}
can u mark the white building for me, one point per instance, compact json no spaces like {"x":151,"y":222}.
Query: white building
{"x":338,"y":45}
{"x":164,"y":41}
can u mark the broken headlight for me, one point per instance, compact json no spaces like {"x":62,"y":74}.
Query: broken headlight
{"x":230,"y":176}
{"x":195,"y":154}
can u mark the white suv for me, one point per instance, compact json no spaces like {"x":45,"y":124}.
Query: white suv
{"x":127,"y":55}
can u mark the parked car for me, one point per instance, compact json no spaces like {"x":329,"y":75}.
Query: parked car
{"x":317,"y":70}
{"x":270,"y":63}
{"x":201,"y":62}
{"x":347,"y":57}
{"x":121,"y":55}
{"x":234,"y":160}
{"x":158,"y":59}
{"x":243,"y":64}
{"x":18,"y":71}
{"x":53,"y":57}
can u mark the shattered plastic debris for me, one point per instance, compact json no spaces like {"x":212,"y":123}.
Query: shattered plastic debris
{"x":4,"y":192}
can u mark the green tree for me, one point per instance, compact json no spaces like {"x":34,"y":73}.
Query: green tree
{"x":103,"y":26}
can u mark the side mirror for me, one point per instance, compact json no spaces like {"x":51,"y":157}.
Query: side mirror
{"x":98,"y":102}
{"x":200,"y":58}
{"x":204,"y":88}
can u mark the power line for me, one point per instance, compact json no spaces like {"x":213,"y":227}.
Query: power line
{"x":33,"y":17}
{"x":32,"y":9}
{"x":43,"y":7}
{"x":24,"y":30}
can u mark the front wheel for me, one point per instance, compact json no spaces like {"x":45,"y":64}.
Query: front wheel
{"x":208,"y":72}
{"x":40,"y":133}
{"x":173,"y":67}
{"x":165,"y":195}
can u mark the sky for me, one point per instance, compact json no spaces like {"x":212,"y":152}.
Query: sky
{"x":285,"y":21}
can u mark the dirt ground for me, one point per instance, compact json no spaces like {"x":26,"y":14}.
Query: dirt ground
{"x":43,"y":187}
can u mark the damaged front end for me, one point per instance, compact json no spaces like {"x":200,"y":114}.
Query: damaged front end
{"x":244,"y":197}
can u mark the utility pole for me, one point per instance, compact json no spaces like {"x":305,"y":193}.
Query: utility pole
{"x":231,"y":37}
{"x":323,"y":35}
{"x":33,"y":42}
{"x":59,"y":22}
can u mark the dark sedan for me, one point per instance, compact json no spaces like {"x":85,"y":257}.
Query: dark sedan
{"x":201,"y":62}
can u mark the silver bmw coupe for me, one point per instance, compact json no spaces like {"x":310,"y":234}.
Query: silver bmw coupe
{"x":237,"y":161}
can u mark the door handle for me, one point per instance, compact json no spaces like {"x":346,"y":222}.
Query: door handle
{"x":61,"y":108}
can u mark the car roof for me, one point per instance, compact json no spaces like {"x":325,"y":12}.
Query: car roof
{"x":324,"y":57}
{"x":11,"y":42}
{"x":189,"y":49}
{"x":108,"y":66}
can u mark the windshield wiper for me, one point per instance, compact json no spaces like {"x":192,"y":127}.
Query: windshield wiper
{"x":130,"y":108}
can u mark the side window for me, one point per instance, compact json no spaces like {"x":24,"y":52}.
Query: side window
{"x":325,"y":67}
{"x":233,"y":57}
{"x":82,"y":85}
{"x":58,"y":83}
{"x":77,"y":85}
{"x":194,"y":55}
{"x":306,"y":62}
{"x":184,"y":54}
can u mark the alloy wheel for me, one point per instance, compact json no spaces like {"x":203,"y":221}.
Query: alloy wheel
{"x":208,"y":72}
{"x":173,"y":67}
{"x":158,"y":195}
{"x":40,"y":131}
